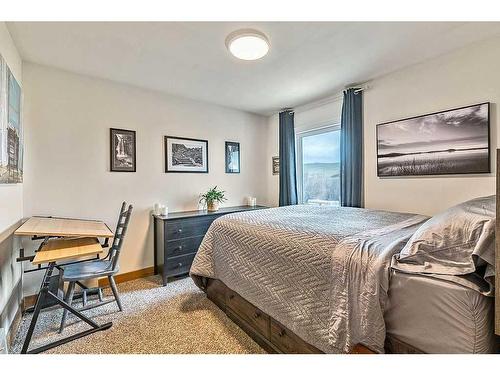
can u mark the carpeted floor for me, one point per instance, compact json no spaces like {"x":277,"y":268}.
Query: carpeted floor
{"x":177,"y":319}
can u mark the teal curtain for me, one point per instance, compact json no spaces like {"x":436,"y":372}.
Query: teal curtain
{"x":351,"y":149}
{"x":288,"y":175}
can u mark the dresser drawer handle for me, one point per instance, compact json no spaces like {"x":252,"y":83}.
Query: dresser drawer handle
{"x":257,"y":315}
{"x":179,"y":265}
{"x":179,"y":248}
{"x":231,"y":296}
{"x":282,"y":333}
{"x":179,"y":230}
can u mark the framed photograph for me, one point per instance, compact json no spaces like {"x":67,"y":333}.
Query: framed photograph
{"x":186,"y":155}
{"x":276,"y":165}
{"x":11,"y":127}
{"x":456,"y":141}
{"x":232,"y":157}
{"x":122,"y":150}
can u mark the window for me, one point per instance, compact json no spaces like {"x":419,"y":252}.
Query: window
{"x":318,"y":166}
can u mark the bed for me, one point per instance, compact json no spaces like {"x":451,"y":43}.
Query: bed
{"x":341,"y":280}
{"x":418,"y":315}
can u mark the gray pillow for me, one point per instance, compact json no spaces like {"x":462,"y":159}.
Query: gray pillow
{"x":458,"y":241}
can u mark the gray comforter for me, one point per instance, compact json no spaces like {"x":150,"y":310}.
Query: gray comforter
{"x":321,"y":271}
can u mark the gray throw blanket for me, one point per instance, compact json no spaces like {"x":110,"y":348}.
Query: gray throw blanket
{"x":321,"y":271}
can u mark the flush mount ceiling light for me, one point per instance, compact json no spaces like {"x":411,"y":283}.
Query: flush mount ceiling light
{"x":247,"y":44}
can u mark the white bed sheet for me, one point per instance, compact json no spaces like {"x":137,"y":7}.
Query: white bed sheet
{"x":438,"y":316}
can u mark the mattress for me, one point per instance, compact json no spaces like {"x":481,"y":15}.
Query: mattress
{"x":438,"y":316}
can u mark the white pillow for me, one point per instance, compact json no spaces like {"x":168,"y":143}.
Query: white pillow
{"x":458,"y":241}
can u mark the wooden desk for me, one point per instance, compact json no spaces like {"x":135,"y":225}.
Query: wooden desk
{"x":52,"y":251}
{"x":67,"y":248}
{"x":60,"y":227}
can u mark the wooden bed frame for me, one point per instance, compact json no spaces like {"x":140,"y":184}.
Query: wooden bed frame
{"x":274,"y":337}
{"x":270,"y":334}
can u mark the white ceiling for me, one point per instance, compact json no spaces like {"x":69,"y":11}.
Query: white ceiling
{"x":307,"y":60}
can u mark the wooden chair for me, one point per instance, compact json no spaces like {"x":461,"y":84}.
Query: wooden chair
{"x":106,"y":267}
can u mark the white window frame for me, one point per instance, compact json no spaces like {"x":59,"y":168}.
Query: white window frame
{"x":299,"y":155}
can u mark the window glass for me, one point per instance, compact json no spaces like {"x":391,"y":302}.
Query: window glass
{"x":319,"y":172}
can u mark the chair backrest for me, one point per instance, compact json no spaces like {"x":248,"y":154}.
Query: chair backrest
{"x":121,"y":230}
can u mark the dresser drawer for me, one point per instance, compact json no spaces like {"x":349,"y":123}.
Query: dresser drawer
{"x":257,"y":319}
{"x":183,"y":246}
{"x":178,"y":229}
{"x":179,"y":234}
{"x":179,"y":265}
{"x":288,"y":342}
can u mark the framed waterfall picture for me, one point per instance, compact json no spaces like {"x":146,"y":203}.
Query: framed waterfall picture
{"x":186,"y":155}
{"x":232,"y":157}
{"x":455,"y":141}
{"x":122,"y":150}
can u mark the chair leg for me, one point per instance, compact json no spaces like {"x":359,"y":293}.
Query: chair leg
{"x":99,"y":292}
{"x":68,"y":299}
{"x":115,"y":291}
{"x":84,"y":297}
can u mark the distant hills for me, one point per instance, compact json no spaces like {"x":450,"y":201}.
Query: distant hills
{"x":328,"y":169}
{"x":395,"y":154}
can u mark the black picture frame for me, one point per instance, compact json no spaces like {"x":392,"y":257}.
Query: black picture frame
{"x":170,"y":168}
{"x":119,"y":158}
{"x":444,"y":173}
{"x":276,"y":165}
{"x":230,"y":149}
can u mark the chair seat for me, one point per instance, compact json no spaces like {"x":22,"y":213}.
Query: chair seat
{"x":88,"y":270}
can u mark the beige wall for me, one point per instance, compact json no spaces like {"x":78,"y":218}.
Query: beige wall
{"x":11,"y":210}
{"x":67,"y":121}
{"x":467,"y":76}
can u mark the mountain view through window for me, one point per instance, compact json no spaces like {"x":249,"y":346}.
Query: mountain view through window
{"x":320,"y":175}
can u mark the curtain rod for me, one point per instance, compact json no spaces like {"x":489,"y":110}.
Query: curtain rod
{"x":329,"y":99}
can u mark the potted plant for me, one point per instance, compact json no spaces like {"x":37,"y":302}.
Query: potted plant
{"x":213,"y":198}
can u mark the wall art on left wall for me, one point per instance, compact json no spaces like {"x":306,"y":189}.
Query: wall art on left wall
{"x":122,"y":150}
{"x":11,"y":130}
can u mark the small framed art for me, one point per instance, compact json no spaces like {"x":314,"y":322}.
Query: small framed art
{"x":232,"y":157}
{"x":276,"y":165}
{"x":122,"y":150}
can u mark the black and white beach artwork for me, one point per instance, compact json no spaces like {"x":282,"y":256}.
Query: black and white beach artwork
{"x":449,"y":142}
{"x":123,"y":150}
{"x":186,"y":155}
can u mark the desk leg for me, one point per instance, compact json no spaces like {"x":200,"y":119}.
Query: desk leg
{"x":44,"y":294}
{"x":38,"y":306}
